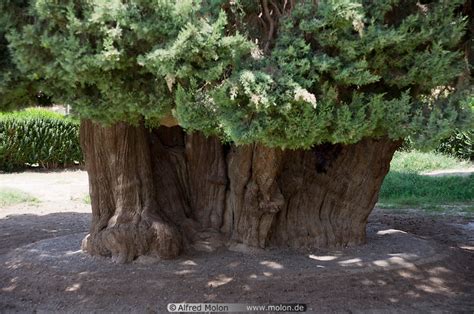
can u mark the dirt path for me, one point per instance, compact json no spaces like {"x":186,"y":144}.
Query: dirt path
{"x":464,"y":172}
{"x":61,"y":208}
{"x":412,"y":263}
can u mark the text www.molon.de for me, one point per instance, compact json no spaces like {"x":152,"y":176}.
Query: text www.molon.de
{"x":235,"y":307}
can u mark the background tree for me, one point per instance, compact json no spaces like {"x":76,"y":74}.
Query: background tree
{"x":16,"y":89}
{"x":256,"y":122}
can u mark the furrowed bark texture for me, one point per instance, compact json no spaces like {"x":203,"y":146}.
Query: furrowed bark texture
{"x":126,"y":219}
{"x":156,"y":192}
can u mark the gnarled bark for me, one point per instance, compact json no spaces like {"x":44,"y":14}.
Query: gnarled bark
{"x":330,"y":192}
{"x":126,"y":221}
{"x":154,"y":192}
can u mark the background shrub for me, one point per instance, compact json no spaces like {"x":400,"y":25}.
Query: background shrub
{"x":31,"y":113}
{"x":460,"y":144}
{"x":38,"y":136}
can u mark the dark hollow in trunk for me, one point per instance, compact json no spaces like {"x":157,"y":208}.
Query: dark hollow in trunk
{"x":156,"y":192}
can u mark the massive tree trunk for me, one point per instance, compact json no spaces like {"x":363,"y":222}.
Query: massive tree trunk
{"x":157,"y":192}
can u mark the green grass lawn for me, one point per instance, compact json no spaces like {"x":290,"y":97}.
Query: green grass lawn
{"x":87,"y":199}
{"x":405,"y":187}
{"x":9,"y":196}
{"x":416,"y":161}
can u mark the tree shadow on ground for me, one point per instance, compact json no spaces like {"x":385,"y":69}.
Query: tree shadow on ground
{"x":19,"y":230}
{"x":57,"y":276}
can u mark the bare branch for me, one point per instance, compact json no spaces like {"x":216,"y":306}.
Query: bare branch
{"x":271,"y":24}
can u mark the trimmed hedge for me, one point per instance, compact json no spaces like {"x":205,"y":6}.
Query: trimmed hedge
{"x":38,"y":137}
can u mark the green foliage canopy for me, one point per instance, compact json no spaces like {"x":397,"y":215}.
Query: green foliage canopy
{"x":334,"y":71}
{"x":15,"y":90}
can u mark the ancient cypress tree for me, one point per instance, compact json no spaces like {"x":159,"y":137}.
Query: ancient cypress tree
{"x":263,"y":123}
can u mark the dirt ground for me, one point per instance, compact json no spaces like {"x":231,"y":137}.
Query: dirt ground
{"x":412,"y":262}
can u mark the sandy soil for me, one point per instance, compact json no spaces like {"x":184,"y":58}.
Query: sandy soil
{"x":412,"y":262}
